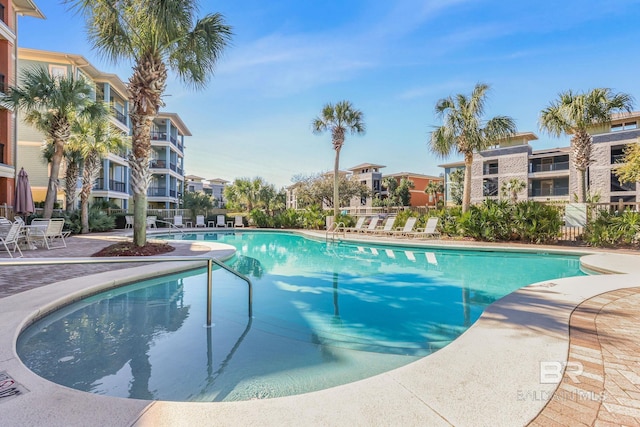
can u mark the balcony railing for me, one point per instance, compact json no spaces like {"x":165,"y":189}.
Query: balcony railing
{"x":490,"y":170}
{"x":547,"y":192}
{"x":158,"y":164}
{"x":157,"y":192}
{"x":113,"y":185}
{"x":158,"y":136}
{"x":549,"y":167}
{"x":119,"y":116}
{"x":172,"y":166}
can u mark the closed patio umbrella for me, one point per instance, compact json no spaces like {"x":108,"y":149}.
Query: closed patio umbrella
{"x":24,"y":199}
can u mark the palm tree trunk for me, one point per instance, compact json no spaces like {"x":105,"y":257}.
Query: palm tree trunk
{"x":89,"y":175}
{"x":52,"y":188}
{"x":71,"y":183}
{"x":336,"y":193}
{"x":466,"y":192}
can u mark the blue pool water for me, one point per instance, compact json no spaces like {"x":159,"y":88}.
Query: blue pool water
{"x":324,"y":314}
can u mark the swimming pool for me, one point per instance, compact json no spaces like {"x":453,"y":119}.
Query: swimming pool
{"x":324,"y":314}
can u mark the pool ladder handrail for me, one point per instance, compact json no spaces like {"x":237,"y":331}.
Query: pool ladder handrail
{"x":116,"y":260}
{"x":172,"y":226}
{"x":333,"y":230}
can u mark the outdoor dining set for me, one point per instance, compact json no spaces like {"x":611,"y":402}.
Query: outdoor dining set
{"x":44,"y":233}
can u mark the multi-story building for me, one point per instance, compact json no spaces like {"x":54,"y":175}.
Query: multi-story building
{"x":370,"y":176}
{"x":167,"y":161}
{"x":113,"y":181}
{"x":420,"y":183}
{"x":217,"y":186}
{"x":9,"y":11}
{"x":549,"y":174}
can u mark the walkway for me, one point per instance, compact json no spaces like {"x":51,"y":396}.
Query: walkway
{"x":601,"y":385}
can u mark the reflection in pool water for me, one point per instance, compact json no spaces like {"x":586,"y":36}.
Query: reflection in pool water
{"x":324,"y":314}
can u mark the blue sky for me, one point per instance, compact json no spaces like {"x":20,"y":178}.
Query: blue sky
{"x":392,"y":59}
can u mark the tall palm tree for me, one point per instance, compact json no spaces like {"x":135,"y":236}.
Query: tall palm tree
{"x":340,"y":119}
{"x":576,"y":114}
{"x":464,"y":131}
{"x":156,"y":36}
{"x":94,"y":139}
{"x":50,"y":105}
{"x":72,"y":159}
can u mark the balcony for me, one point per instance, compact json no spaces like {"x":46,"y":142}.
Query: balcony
{"x":119,"y":116}
{"x":158,"y":136}
{"x":158,"y":164}
{"x":114,"y":185}
{"x":549,"y":192}
{"x":157,"y":192}
{"x":549,"y":167}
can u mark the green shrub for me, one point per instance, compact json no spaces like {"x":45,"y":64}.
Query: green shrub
{"x":450,"y":220}
{"x":612,"y":229}
{"x":313,"y":218}
{"x":288,"y":218}
{"x":261,"y":219}
{"x":536,"y":222}
{"x":488,"y":221}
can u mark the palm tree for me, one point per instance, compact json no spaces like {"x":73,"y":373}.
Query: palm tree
{"x":50,"y":105}
{"x":339,"y":119}
{"x":434,"y":189}
{"x":464,"y":131}
{"x":156,"y":36}
{"x":72,"y":160}
{"x":511,"y":188}
{"x":577,"y":113}
{"x":94,"y":139}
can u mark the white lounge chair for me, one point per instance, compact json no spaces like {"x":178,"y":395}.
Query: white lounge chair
{"x":177,"y":221}
{"x":408,"y":227}
{"x":220,"y":221}
{"x":372,"y":225}
{"x":238,"y":222}
{"x":200,"y":221}
{"x":388,"y":225}
{"x":151,"y":221}
{"x":429,"y":231}
{"x":12,"y":236}
{"x":356,"y":228}
{"x":47,"y":232}
{"x":128,"y":221}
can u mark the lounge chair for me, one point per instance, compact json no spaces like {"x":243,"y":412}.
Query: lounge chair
{"x":12,"y":236}
{"x":128,"y":221}
{"x":200,"y":221}
{"x":388,"y":225}
{"x":151,"y":221}
{"x":238,"y":222}
{"x":429,"y":231}
{"x":220,"y":221}
{"x":373,"y":225}
{"x":47,"y":232}
{"x":177,"y":221}
{"x":408,"y":227}
{"x":356,"y":228}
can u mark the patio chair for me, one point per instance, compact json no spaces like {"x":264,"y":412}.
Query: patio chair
{"x":372,"y":225}
{"x":220,"y":221}
{"x":388,"y":225}
{"x":429,"y":231}
{"x":200,"y":221}
{"x":12,"y":236}
{"x":151,"y":221}
{"x":128,"y":221}
{"x":177,"y":221}
{"x":238,"y":222}
{"x":47,"y":232}
{"x":408,"y":227}
{"x":356,"y":228}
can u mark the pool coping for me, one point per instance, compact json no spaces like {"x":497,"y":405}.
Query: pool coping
{"x":497,"y":366}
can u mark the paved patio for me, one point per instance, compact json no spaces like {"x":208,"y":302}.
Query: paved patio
{"x":603,"y":348}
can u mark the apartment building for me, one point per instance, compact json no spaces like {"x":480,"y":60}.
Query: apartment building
{"x":549,"y":173}
{"x":9,"y":11}
{"x":113,"y":182}
{"x":370,"y":176}
{"x":168,"y":134}
{"x":420,"y":183}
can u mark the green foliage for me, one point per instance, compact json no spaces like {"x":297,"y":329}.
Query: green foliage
{"x":99,"y":220}
{"x":511,"y":188}
{"x":318,"y":190}
{"x":450,"y":220}
{"x":613,"y":229}
{"x":261,"y":219}
{"x":288,"y":218}
{"x":456,"y":179}
{"x":401,"y":218}
{"x":629,"y":170}
{"x":313,"y":218}
{"x":197,"y":202}
{"x":502,"y":221}
{"x":404,"y":192}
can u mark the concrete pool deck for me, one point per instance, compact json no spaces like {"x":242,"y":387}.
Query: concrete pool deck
{"x":491,"y":375}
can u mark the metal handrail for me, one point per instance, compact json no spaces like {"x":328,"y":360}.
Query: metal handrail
{"x":334,"y":229}
{"x":171,"y":226}
{"x":116,"y":260}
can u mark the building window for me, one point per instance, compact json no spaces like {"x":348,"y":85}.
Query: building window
{"x":616,"y":185}
{"x":617,"y":154}
{"x":624,"y":126}
{"x":548,"y":164}
{"x":549,"y":187}
{"x":490,"y":187}
{"x":57,"y":71}
{"x":490,"y":167}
